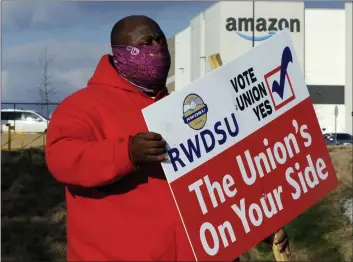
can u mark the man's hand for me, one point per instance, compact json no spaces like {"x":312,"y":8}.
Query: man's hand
{"x":280,"y":239}
{"x":147,"y":147}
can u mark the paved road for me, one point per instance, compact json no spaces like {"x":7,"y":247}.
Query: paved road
{"x":22,"y":140}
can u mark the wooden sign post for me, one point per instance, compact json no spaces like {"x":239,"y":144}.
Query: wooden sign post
{"x":215,"y":61}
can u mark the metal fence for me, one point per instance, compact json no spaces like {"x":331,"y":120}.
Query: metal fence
{"x":24,"y":125}
{"x":43,"y":108}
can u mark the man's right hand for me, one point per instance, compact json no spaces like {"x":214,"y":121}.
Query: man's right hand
{"x":147,"y":147}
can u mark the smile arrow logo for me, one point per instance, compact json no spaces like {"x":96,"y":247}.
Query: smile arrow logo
{"x":256,"y":38}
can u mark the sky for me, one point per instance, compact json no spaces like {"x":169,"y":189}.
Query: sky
{"x":76,"y":35}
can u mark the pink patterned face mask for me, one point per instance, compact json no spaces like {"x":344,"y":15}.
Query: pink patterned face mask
{"x":146,"y":67}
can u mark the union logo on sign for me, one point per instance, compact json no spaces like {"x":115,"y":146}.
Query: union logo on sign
{"x":194,"y":112}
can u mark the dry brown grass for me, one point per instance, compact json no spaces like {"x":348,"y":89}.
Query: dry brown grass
{"x":33,"y":209}
{"x":33,"y":215}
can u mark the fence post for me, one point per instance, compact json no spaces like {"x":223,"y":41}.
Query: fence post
{"x":44,"y":136}
{"x":9,"y":135}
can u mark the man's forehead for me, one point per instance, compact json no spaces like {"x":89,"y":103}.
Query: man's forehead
{"x":141,"y":26}
{"x":143,"y":30}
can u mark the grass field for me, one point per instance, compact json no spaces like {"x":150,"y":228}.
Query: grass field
{"x":33,"y":215}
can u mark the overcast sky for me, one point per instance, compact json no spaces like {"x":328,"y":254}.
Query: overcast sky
{"x":76,"y":35}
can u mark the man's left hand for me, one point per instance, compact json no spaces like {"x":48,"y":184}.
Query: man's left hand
{"x":281,"y":241}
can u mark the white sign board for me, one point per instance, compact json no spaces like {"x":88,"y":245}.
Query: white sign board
{"x":241,"y":138}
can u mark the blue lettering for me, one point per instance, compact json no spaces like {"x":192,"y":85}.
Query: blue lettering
{"x":220,"y":131}
{"x":190,"y":150}
{"x":174,"y":157}
{"x":189,"y":153}
{"x":195,"y":115}
{"x":208,"y":148}
{"x":236,"y":131}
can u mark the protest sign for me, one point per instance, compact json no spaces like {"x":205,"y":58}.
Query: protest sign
{"x":246,"y":152}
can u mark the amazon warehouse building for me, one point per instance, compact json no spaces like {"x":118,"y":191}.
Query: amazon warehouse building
{"x":322,"y":39}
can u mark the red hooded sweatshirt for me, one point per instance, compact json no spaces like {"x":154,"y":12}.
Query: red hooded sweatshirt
{"x":114,"y":211}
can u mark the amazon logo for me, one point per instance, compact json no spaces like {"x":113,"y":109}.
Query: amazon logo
{"x":245,"y":26}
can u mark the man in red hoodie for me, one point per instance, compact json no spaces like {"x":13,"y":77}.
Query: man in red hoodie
{"x":119,"y":206}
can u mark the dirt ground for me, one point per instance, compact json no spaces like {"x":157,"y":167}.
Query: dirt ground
{"x":19,"y":141}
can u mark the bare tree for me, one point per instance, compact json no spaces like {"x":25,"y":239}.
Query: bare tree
{"x":45,"y":88}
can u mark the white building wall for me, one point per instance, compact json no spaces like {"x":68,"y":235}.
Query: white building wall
{"x":183,"y":59}
{"x":212,"y":33}
{"x":232,"y":45}
{"x":349,"y":67}
{"x":325,"y":59}
{"x":326,"y":116}
{"x":228,"y":43}
{"x":324,"y":46}
{"x":197,"y":25}
{"x":290,"y":11}
{"x":325,"y":31}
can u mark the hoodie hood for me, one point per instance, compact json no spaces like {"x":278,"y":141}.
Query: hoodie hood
{"x":106,"y":75}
